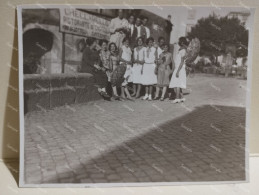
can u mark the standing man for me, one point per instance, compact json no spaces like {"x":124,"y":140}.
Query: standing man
{"x":132,"y":32}
{"x":168,"y":28}
{"x":144,"y":23}
{"x":118,"y":28}
{"x":141,"y":31}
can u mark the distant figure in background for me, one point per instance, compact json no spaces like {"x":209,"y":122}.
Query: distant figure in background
{"x":229,"y":63}
{"x":144,"y":23}
{"x":118,"y":29}
{"x":132,"y":32}
{"x":141,"y":31}
{"x":91,"y":64}
{"x":168,"y":28}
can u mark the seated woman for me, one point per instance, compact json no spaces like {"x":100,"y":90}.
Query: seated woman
{"x":165,"y":62}
{"x":105,"y":58}
{"x":91,"y":64}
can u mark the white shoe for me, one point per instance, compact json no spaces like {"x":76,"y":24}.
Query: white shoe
{"x":145,"y":97}
{"x":182,"y":100}
{"x":176,"y":101}
{"x":150,"y":98}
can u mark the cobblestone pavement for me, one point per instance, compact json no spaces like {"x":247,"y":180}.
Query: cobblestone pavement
{"x":202,"y":139}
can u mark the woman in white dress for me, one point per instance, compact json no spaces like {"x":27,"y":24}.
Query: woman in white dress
{"x":125,"y":60}
{"x":178,"y":80}
{"x":139,"y":53}
{"x":149,"y":77}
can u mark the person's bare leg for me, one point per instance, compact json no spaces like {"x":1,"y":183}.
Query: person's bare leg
{"x":157,"y":92}
{"x":146,"y":93}
{"x":138,"y":90}
{"x":177,"y":93}
{"x":163,"y":92}
{"x":114,"y":89}
{"x":150,"y":92}
{"x":134,"y":89}
{"x":122,"y":92}
{"x":127,"y":93}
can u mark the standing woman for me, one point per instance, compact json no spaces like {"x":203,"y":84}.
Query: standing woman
{"x":118,"y":71}
{"x":125,"y":60}
{"x":149,"y":77}
{"x":178,"y":80}
{"x":138,"y":59}
{"x":164,"y":70}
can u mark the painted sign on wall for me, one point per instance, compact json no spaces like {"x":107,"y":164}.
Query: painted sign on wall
{"x":77,"y":22}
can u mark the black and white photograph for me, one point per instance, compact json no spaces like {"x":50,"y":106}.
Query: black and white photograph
{"x":134,"y":95}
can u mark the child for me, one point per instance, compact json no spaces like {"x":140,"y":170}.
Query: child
{"x":149,"y":77}
{"x":125,"y":60}
{"x":178,"y":80}
{"x":139,"y":53}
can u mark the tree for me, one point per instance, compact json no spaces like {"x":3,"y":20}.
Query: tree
{"x":216,"y":33}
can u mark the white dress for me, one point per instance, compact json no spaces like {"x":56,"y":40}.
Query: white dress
{"x":136,"y":70}
{"x":181,"y":80}
{"x":148,"y":76}
{"x":126,"y":55}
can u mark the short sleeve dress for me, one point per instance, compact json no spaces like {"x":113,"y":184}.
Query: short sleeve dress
{"x":136,"y":70}
{"x":181,"y":80}
{"x":148,"y":76}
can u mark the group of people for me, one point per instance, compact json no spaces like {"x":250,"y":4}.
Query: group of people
{"x":134,"y":60}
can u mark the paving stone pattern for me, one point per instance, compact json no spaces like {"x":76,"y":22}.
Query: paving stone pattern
{"x":202,"y":139}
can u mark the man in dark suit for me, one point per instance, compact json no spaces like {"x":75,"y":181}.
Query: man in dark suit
{"x":132,"y":32}
{"x":141,"y":31}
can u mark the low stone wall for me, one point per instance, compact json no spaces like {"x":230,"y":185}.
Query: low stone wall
{"x":43,"y":92}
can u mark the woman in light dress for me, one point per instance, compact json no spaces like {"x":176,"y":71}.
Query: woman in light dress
{"x":149,"y":77}
{"x":125,"y":60}
{"x":178,"y":80}
{"x":138,"y":59}
{"x":165,"y":63}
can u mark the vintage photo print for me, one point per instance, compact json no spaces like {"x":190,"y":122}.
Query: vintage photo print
{"x":134,"y":95}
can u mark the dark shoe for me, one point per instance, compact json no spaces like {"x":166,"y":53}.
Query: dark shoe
{"x":105,"y":95}
{"x":156,"y":98}
{"x":116,"y":97}
{"x":162,"y":99}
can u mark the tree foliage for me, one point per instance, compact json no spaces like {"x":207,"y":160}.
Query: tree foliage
{"x":216,"y":33}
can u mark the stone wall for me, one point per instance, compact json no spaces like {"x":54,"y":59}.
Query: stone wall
{"x":43,"y":92}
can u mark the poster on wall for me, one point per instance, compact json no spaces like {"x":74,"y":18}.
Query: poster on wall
{"x":158,"y":95}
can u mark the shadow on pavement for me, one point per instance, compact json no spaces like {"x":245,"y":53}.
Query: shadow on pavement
{"x":207,"y":144}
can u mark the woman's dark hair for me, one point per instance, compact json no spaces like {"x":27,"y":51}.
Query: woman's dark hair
{"x":110,"y":45}
{"x":139,"y":39}
{"x":90,"y":41}
{"x":144,"y":17}
{"x":183,"y":41}
{"x":166,"y":44}
{"x":149,"y":39}
{"x":125,"y":39}
{"x":160,"y":38}
{"x":103,"y":41}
